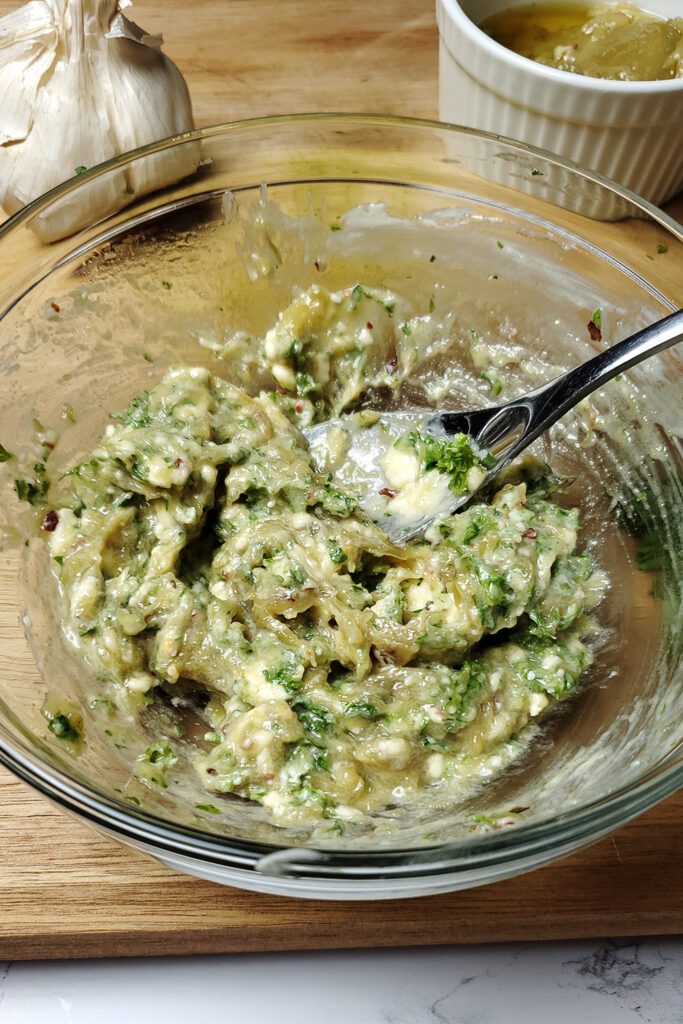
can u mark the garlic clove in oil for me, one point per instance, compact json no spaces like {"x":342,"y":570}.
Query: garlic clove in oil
{"x":79,"y":84}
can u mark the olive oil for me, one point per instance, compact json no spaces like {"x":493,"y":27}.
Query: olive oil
{"x":604,"y":40}
{"x":531,"y":27}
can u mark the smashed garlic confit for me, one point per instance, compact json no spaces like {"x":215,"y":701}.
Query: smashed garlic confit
{"x":79,"y":84}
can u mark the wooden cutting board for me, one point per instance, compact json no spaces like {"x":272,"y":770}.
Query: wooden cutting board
{"x":67,"y":892}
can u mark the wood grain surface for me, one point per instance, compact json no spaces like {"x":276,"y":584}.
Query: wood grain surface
{"x":65,"y":891}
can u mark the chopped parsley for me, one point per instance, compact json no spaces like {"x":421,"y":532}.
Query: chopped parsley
{"x":315,"y":718}
{"x":472,"y":530}
{"x":61,"y":726}
{"x":137,"y":414}
{"x":32,"y":491}
{"x":5,"y":456}
{"x":494,"y":380}
{"x":357,"y":293}
{"x":305,"y":384}
{"x":160,"y":754}
{"x":337,"y":555}
{"x":288,"y":676}
{"x":452,"y":456}
{"x":361,"y":709}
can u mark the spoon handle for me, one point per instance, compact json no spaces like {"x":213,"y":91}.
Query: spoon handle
{"x":551,"y":401}
{"x":507,"y":430}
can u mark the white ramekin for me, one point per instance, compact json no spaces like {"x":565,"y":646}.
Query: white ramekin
{"x":631,"y":132}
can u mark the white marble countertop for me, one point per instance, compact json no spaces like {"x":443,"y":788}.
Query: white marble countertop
{"x":607,"y":982}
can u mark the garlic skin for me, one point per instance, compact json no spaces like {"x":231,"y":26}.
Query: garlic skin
{"x":79,"y":84}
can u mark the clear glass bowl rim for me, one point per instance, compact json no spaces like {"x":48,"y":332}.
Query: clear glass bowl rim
{"x":569,"y":830}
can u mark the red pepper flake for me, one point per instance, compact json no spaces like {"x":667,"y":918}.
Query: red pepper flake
{"x":518,"y":810}
{"x":211,"y":771}
{"x":530,"y":533}
{"x":317,"y":265}
{"x":594,"y":331}
{"x":56,"y":308}
{"x":49,"y":445}
{"x":369,"y":325}
{"x":299,"y":407}
{"x":388,"y":492}
{"x":50,"y":521}
{"x":178,"y":463}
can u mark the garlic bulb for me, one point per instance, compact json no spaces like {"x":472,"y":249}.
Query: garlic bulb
{"x":79,"y":84}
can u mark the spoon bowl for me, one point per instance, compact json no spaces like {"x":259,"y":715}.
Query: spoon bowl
{"x":496,"y":435}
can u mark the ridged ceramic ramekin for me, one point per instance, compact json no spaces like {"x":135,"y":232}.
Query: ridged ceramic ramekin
{"x":631,"y":132}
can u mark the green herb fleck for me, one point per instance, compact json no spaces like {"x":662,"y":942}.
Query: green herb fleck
{"x":361,"y":709}
{"x":160,"y":754}
{"x":209,"y":808}
{"x":535,"y":172}
{"x":287,"y":676}
{"x":33,"y":491}
{"x":61,"y":726}
{"x":337,"y":555}
{"x":494,"y":380}
{"x":81,"y":169}
{"x":304,"y":384}
{"x":358,"y":293}
{"x":5,"y":456}
{"x":432,"y":258}
{"x":597,"y":317}
{"x":167,"y":285}
{"x":138,"y":413}
{"x":500,"y":244}
{"x":315,"y":718}
{"x":452,"y":456}
{"x":473,"y":530}
{"x":661,"y":249}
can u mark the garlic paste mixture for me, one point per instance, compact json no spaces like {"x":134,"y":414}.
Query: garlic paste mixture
{"x":203,"y":560}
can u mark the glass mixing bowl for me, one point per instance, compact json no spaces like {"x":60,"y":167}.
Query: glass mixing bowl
{"x":88,"y":321}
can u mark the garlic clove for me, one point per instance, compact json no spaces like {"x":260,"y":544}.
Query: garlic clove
{"x":80,"y":84}
{"x":30,"y":168}
{"x":136,"y":107}
{"x":28,"y":44}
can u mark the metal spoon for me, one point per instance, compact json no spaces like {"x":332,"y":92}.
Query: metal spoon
{"x":504,"y":431}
